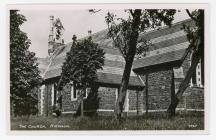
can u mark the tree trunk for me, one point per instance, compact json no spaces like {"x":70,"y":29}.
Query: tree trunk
{"x":198,"y":53}
{"x":128,"y":65}
{"x":137,"y":105}
{"x":123,"y":90}
{"x":183,"y":85}
{"x":12,"y":107}
{"x":173,"y":97}
{"x":146,"y":99}
{"x":82,"y":108}
{"x":82,"y":104}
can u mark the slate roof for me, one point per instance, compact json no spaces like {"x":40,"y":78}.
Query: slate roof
{"x":159,"y":62}
{"x":43,"y":63}
{"x":114,"y":62}
{"x":112,"y":71}
{"x":167,"y":49}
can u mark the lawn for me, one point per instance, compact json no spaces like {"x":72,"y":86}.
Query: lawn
{"x":152,"y":121}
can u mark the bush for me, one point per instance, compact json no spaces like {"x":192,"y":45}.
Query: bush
{"x":56,"y":110}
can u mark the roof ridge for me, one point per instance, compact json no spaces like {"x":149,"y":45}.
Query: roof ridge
{"x":165,"y":27}
{"x":144,"y":33}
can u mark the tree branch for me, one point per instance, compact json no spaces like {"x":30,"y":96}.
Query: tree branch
{"x":94,"y":11}
{"x":190,"y":15}
{"x":118,"y":46}
{"x":131,"y":12}
{"x":115,"y":41}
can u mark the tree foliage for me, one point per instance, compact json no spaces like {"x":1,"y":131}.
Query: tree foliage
{"x":121,"y":30}
{"x":195,"y":34}
{"x":24,"y":72}
{"x":80,"y":67}
{"x":125,"y":34}
{"x":81,"y":64}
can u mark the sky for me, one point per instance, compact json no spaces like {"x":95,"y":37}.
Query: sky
{"x":74,"y":21}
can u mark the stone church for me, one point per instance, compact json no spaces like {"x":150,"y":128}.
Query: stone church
{"x":150,"y":82}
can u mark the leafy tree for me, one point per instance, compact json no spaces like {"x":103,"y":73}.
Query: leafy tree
{"x":125,"y":34}
{"x":24,"y":72}
{"x":195,"y":36}
{"x":81,"y":65}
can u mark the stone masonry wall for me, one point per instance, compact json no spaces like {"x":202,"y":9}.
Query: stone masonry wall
{"x":68,"y":105}
{"x":159,"y":90}
{"x":193,"y":98}
{"x":135,"y":101}
{"x":47,"y":108}
{"x":106,"y":98}
{"x":159,"y":96}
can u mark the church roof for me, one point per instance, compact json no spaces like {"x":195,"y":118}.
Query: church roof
{"x":113,"y":66}
{"x":167,"y":49}
{"x":159,"y":62}
{"x":169,"y":42}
